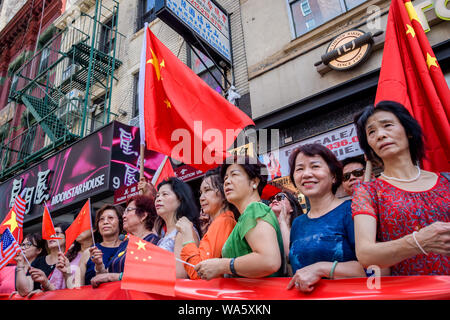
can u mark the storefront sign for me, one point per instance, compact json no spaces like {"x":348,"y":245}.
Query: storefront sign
{"x":348,"y":50}
{"x":71,"y":176}
{"x":124,"y":193}
{"x":204,"y":18}
{"x":343,"y":142}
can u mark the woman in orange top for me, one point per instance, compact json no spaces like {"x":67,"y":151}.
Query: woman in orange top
{"x":213,"y":203}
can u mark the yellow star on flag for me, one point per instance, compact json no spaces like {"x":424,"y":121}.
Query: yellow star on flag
{"x":154,"y":61}
{"x":168,"y":104}
{"x":431,"y":61}
{"x":410,"y":30}
{"x":411,"y":11}
{"x":141,"y":245}
{"x":12,"y":222}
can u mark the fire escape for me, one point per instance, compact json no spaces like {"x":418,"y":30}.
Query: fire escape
{"x":59,"y":86}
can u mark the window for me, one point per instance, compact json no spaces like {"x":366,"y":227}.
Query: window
{"x":310,"y":14}
{"x":43,"y":64}
{"x":135,"y":111}
{"x":98,"y":115}
{"x":106,"y":42}
{"x":146,"y":12}
{"x":207,"y":73}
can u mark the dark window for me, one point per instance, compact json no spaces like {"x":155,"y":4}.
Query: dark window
{"x":106,"y":41}
{"x":43,"y":64}
{"x":309,"y":14}
{"x":98,"y":115}
{"x":208,"y":72}
{"x":135,"y":111}
{"x":146,"y":12}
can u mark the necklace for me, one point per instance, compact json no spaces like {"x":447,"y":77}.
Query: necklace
{"x":404,"y":180}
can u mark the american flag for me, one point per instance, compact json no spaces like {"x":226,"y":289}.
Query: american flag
{"x":19,"y":208}
{"x":9,"y":248}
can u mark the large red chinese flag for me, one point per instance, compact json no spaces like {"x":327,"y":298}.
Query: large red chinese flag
{"x":411,"y":75}
{"x":81,"y":223}
{"x":183,"y":117}
{"x":148,"y":268}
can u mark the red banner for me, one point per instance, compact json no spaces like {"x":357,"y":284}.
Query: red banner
{"x":387,"y":288}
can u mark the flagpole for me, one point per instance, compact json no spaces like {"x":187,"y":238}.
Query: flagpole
{"x":160,"y":168}
{"x":186,"y":263}
{"x":90,"y":221}
{"x":141,"y":99}
{"x":21,"y":251}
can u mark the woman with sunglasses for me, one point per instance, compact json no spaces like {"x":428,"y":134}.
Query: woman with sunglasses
{"x":138,"y":220}
{"x":214,"y":204}
{"x":254,"y":248}
{"x":286,"y":207}
{"x":322,"y":241}
{"x":402,"y":218}
{"x":353,"y":169}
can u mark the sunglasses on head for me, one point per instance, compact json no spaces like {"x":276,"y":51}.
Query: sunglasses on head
{"x":278,"y":197}
{"x":356,"y":173}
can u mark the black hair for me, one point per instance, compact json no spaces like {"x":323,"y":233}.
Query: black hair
{"x":412,"y":128}
{"x":314,"y":149}
{"x":37,"y":241}
{"x":119,"y":212}
{"x":252,"y":166}
{"x":295,"y":205}
{"x":145,"y":204}
{"x":217,"y":183}
{"x":187,"y":208}
{"x":355,"y":159}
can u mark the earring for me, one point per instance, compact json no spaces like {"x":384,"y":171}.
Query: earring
{"x":254,"y":186}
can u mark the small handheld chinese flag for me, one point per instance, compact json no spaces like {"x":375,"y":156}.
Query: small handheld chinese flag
{"x":48,"y":229}
{"x":14,"y":218}
{"x":148,"y":268}
{"x":81,"y":223}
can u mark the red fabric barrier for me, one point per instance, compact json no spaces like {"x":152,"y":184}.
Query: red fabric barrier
{"x":391,"y":288}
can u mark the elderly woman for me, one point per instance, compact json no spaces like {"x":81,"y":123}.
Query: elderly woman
{"x":402,"y":218}
{"x":138,"y":220}
{"x":174,"y":201}
{"x":214,"y":204}
{"x":254,"y":248}
{"x":322,"y":241}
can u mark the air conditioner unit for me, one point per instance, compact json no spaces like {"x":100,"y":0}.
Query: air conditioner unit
{"x":70,"y":71}
{"x":71,"y":103}
{"x":134,"y":122}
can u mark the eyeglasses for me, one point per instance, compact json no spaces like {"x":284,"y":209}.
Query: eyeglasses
{"x":277,"y":197}
{"x":356,"y":173}
{"x":26,"y":245}
{"x":129,"y":209}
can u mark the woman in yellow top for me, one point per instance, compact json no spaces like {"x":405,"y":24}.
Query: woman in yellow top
{"x":213,"y":203}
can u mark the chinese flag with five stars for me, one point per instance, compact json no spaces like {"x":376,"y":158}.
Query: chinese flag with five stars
{"x":148,"y":268}
{"x":411,"y":75}
{"x":81,"y":223}
{"x":181,"y":115}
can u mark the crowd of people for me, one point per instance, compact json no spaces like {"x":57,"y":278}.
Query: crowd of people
{"x":399,"y":221}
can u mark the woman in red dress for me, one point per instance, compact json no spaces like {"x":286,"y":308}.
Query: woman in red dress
{"x":402,"y":218}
